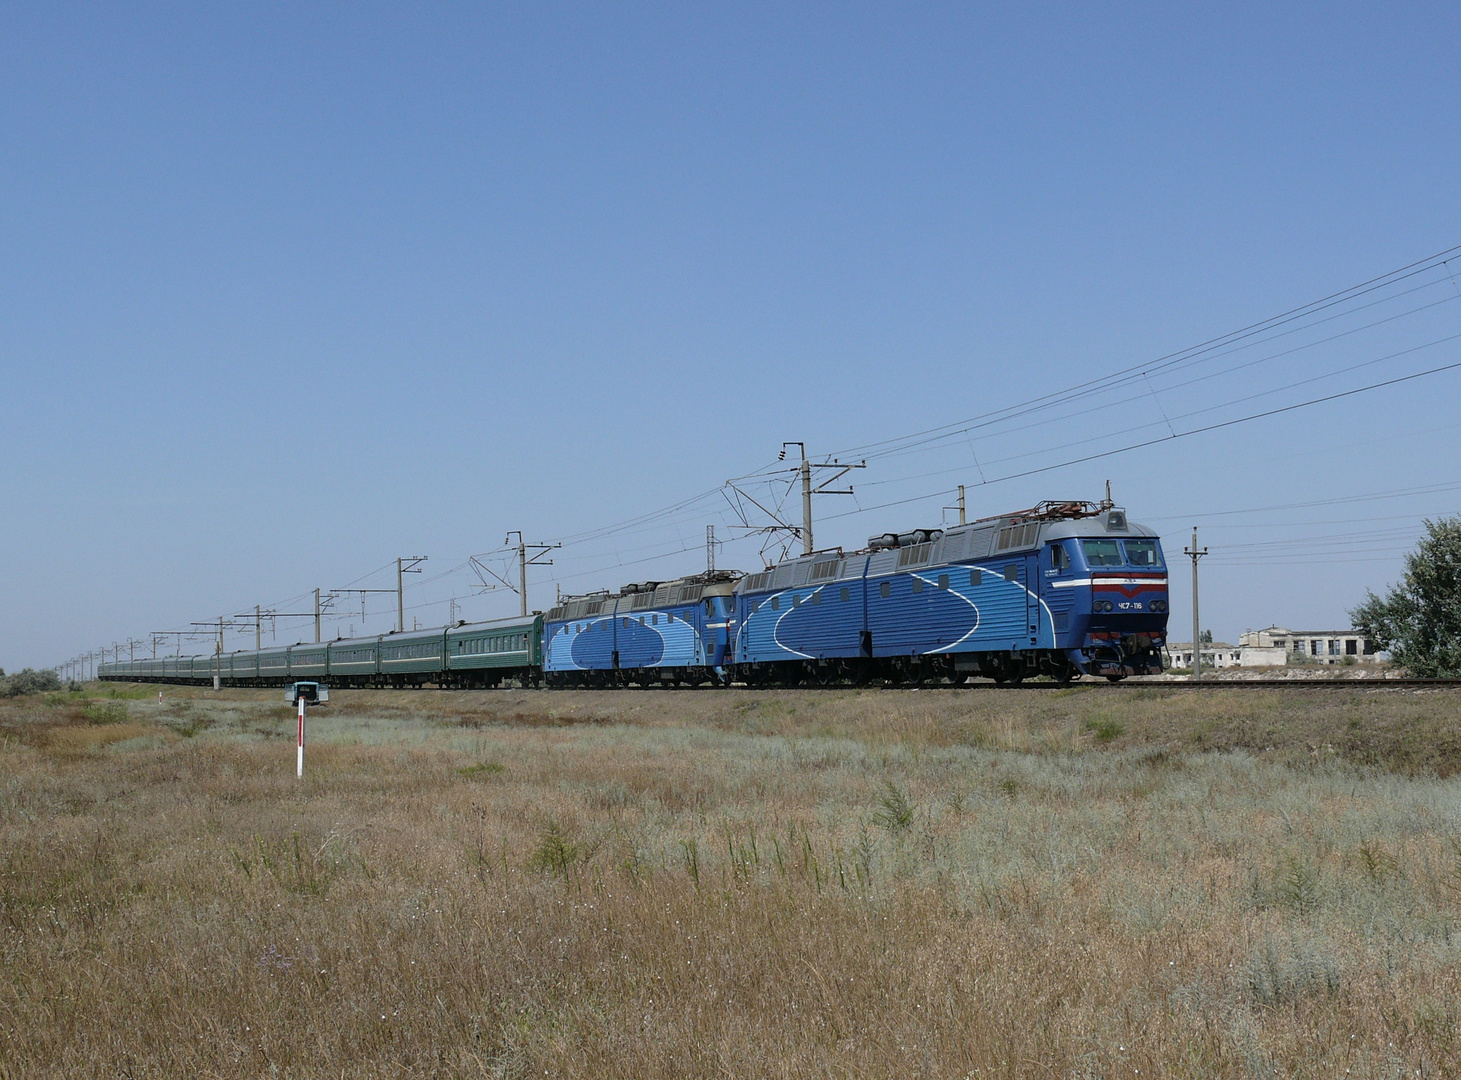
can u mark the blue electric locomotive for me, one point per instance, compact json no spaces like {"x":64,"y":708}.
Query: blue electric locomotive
{"x":654,"y":633}
{"x":1061,"y":589}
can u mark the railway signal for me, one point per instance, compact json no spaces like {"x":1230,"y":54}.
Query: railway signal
{"x":304,"y":694}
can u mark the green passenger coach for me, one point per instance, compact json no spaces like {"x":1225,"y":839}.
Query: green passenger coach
{"x":496,"y":653}
{"x":491,"y":653}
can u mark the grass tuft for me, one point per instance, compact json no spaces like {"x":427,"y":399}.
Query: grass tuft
{"x":482,"y":770}
{"x":894,"y":812}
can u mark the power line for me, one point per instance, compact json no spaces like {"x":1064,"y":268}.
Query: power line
{"x":869,"y":450}
{"x":1169,"y":438}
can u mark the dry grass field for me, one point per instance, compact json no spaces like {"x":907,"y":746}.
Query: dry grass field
{"x":1016,"y":883}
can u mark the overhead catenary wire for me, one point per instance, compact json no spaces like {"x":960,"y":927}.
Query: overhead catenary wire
{"x":877,"y":448}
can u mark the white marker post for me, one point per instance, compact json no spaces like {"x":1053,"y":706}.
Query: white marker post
{"x":299,"y":772}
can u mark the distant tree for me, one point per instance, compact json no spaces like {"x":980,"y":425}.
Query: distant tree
{"x":28,"y":681}
{"x":1419,"y":622}
{"x":1206,"y":637}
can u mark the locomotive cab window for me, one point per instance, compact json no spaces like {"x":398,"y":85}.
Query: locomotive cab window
{"x":1102,"y":552}
{"x":1059,"y":559}
{"x":1142,"y":553}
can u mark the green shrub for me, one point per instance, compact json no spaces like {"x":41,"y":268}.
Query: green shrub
{"x":1104,"y":729}
{"x":28,"y":681}
{"x":104,"y":712}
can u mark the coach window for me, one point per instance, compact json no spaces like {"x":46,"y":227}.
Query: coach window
{"x":976,"y":577}
{"x":885,"y":590}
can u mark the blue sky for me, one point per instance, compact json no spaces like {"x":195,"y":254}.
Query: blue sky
{"x":287,"y":291}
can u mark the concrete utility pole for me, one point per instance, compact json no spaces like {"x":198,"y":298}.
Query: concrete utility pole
{"x":317,"y":616}
{"x":484,"y":570}
{"x":804,"y":470}
{"x":1194,"y":554}
{"x":258,"y":628}
{"x":405,"y":564}
{"x":524,"y":561}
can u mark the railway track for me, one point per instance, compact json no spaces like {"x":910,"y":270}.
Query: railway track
{"x":1212,"y":684}
{"x":1164,"y":684}
{"x":1135,"y":683}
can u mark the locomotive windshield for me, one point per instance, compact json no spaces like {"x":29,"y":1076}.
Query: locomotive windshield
{"x":1102,"y":552}
{"x":1142,"y":553}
